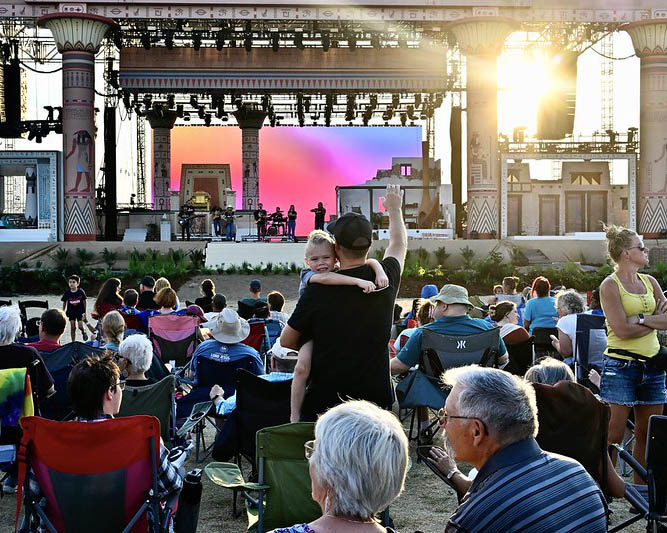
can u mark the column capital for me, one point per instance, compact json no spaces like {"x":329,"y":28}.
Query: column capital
{"x":77,"y":32}
{"x":250,"y":117}
{"x":482,"y":35}
{"x":161,"y":118}
{"x":649,"y":37}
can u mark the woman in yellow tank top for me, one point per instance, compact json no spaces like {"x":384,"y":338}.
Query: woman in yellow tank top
{"x":635,"y":308}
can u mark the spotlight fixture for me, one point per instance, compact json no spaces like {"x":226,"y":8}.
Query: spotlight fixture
{"x":200,"y":111}
{"x":169,"y":39}
{"x":196,"y":40}
{"x":193,"y":100}
{"x":275,"y":41}
{"x":146,"y":40}
{"x":171,"y":100}
{"x":326,"y":41}
{"x":298,"y":40}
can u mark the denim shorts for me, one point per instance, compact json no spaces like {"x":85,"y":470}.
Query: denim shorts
{"x":627,"y":382}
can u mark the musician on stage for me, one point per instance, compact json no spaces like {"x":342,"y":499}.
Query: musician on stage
{"x":260,"y":218}
{"x":229,"y":216}
{"x":217,"y":221}
{"x":185,"y":215}
{"x":291,"y":222}
{"x":320,"y":213}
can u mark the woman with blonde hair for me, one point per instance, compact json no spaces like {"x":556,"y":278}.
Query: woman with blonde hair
{"x":160,"y":284}
{"x":113,"y":329}
{"x":635,"y":307}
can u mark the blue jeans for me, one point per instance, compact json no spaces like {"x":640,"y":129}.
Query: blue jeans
{"x":291,"y":227}
{"x":230,"y":231}
{"x":627,"y":382}
{"x":217,"y":227}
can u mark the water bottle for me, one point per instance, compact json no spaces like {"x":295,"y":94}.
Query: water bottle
{"x":187,"y":515}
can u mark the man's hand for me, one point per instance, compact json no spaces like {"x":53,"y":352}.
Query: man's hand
{"x":366,"y":286}
{"x":381,"y":281}
{"x":393,"y":198}
{"x":216,"y":392}
{"x":441,"y":460}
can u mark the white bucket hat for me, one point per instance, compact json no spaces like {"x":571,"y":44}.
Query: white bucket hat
{"x":230,"y":328}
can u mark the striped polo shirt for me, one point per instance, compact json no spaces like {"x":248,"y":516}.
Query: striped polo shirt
{"x":523,"y":488}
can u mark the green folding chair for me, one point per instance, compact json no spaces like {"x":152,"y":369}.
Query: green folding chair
{"x":283,"y":485}
{"x":155,"y":400}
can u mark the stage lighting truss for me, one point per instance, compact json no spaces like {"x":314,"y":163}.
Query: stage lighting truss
{"x":296,"y":109}
{"x":610,"y":142}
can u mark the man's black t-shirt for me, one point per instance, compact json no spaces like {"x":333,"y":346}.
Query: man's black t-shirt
{"x":20,"y":356}
{"x":146,"y":301}
{"x":350,"y":332}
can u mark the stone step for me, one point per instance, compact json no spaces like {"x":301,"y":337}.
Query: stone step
{"x":135,"y":235}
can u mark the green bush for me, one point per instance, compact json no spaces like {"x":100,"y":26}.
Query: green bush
{"x":468,"y":256}
{"x":441,"y":255}
{"x":109,"y":258}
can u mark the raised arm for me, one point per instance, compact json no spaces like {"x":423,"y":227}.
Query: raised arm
{"x":333,"y":278}
{"x":610,"y":297}
{"x":398,"y":236}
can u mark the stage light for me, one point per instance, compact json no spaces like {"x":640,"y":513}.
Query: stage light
{"x":207,"y":120}
{"x":298,"y":40}
{"x":373,"y":101}
{"x":171,"y":100}
{"x":146,"y":40}
{"x":169,"y":39}
{"x":186,"y":116}
{"x":220,"y":40}
{"x":196,"y":40}
{"x":352,"y":41}
{"x":49,"y":110}
{"x":275,"y":41}
{"x":375,"y":41}
{"x":179,"y":110}
{"x":200,"y":111}
{"x":326,"y":41}
{"x":247,"y":42}
{"x":404,"y":119}
{"x":193,"y":100}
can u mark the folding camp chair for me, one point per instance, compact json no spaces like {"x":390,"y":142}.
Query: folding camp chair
{"x":59,"y":363}
{"x":23,"y":309}
{"x":263,"y":341}
{"x":4,"y":303}
{"x":280,"y":457}
{"x":649,"y":499}
{"x":174,"y":337}
{"x":590,"y":345}
{"x":94,"y":476}
{"x":155,"y":400}
{"x":158,"y":369}
{"x":257,"y":337}
{"x":438,"y":353}
{"x":542,"y":343}
{"x":520,"y":357}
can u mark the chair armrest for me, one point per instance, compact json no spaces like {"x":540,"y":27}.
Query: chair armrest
{"x":634,"y":464}
{"x":635,"y":497}
{"x":229,"y":475}
{"x":199,"y":411}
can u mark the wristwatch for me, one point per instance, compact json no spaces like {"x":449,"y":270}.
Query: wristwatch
{"x":451,"y":474}
{"x":640,"y":317}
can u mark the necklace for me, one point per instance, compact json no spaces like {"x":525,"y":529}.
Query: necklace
{"x":371,"y":521}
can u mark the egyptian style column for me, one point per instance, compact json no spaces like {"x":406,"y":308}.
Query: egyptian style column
{"x":250,"y":120}
{"x":31,"y":194}
{"x":162,"y":121}
{"x":649,"y":38}
{"x":481,"y":39}
{"x":78,"y":37}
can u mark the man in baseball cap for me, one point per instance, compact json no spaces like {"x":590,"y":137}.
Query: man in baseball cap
{"x":352,"y":231}
{"x":146,"y":294}
{"x":451,"y":318}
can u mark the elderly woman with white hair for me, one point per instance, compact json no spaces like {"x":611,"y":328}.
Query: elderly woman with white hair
{"x":568,"y":305}
{"x":135,"y":355}
{"x":358,"y":463}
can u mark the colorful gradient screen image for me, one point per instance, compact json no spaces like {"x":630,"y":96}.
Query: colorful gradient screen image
{"x":300,"y":166}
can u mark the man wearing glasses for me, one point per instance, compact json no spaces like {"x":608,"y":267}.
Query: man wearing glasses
{"x":490,"y":421}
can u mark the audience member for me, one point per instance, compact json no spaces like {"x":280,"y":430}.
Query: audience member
{"x":595,"y":308}
{"x":131,"y":314}
{"x":218,"y":304}
{"x":135,"y":355}
{"x":350,"y":329}
{"x":227,"y":343}
{"x":166,"y":300}
{"x":108,"y":299}
{"x":635,"y":308}
{"x":505,"y":315}
{"x":254,"y":293}
{"x":74,"y":305}
{"x":262,"y":311}
{"x":549,"y":371}
{"x":424,"y":315}
{"x":276,"y":302}
{"x":146,"y":294}
{"x":509,"y":293}
{"x":113,"y":330}
{"x":207,"y":289}
{"x":160,"y":284}
{"x":52,"y":326}
{"x":568,"y":304}
{"x":427,"y":292}
{"x":490,"y":421}
{"x":540,"y":311}
{"x":358,"y":463}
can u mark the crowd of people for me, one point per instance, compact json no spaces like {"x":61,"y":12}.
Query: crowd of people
{"x":344,"y":345}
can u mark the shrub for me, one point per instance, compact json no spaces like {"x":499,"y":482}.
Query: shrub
{"x":468,"y":256}
{"x":441,"y":255}
{"x":84,"y":257}
{"x":62,"y":258}
{"x":109,"y":258}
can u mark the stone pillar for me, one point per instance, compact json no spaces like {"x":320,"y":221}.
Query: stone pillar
{"x":250,"y":120}
{"x":481,"y":40}
{"x":78,"y":37}
{"x":649,"y":38}
{"x":162,"y":121}
{"x":31,"y":194}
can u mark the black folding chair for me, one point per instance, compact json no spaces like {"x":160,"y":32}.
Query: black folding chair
{"x":589,"y":349}
{"x":520,"y":356}
{"x":542,"y":343}
{"x":4,"y":303}
{"x":650,"y":500}
{"x":30,"y":304}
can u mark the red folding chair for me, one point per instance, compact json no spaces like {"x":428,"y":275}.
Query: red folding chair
{"x":174,"y":337}
{"x":257,"y":336}
{"x":95,"y":476}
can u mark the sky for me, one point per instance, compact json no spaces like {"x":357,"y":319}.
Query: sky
{"x":300,"y":166}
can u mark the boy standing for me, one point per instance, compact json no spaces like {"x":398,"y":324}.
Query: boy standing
{"x":74,"y":305}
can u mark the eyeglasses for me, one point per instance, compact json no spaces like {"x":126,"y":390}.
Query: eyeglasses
{"x":309,"y":449}
{"x":120,"y":385}
{"x":117,"y":357}
{"x":442,"y":414}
